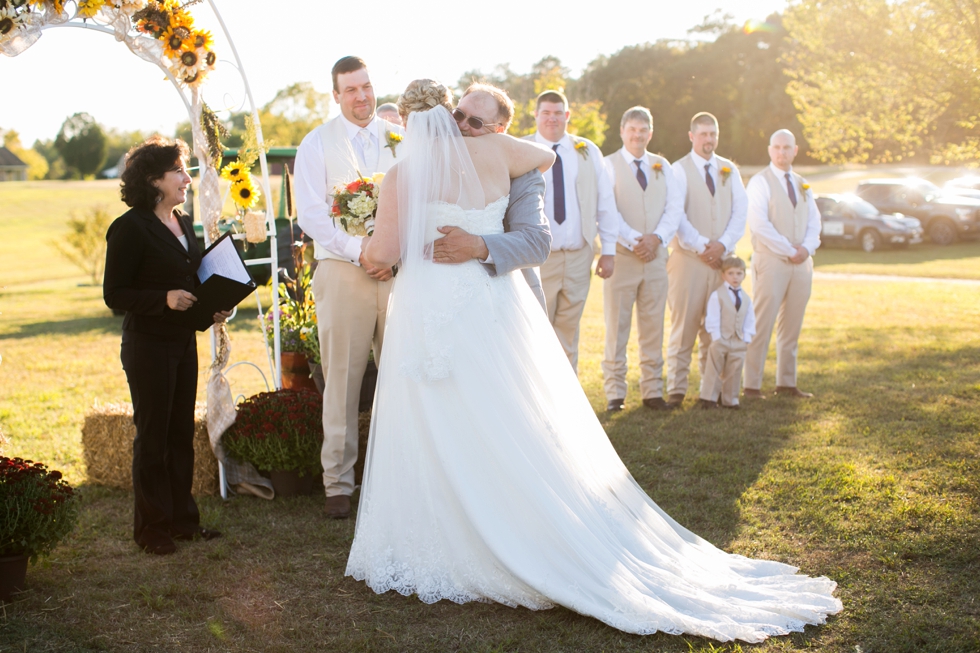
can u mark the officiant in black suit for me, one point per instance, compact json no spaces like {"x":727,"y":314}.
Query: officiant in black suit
{"x":151,"y":264}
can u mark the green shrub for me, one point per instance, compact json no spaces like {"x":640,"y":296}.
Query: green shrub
{"x":37,"y":508}
{"x":278,"y":431}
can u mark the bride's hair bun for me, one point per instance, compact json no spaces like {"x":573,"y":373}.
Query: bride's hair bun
{"x":422,"y":95}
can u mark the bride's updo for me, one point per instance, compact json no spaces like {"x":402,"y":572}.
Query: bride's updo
{"x":422,"y":95}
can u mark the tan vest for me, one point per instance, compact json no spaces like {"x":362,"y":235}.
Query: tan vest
{"x":642,"y":209}
{"x":586,"y":190}
{"x":708,"y":213}
{"x":342,"y":165}
{"x":788,"y":220}
{"x":732,"y":320}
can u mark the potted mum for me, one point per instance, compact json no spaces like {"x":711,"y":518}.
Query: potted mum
{"x":37,"y":511}
{"x":298,"y":336}
{"x":280,"y":433}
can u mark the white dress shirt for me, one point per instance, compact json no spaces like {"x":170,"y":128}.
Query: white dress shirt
{"x":673,"y":210}
{"x":568,"y":234}
{"x":689,"y":237}
{"x":314,"y":199}
{"x":759,"y":194}
{"x":712,"y":316}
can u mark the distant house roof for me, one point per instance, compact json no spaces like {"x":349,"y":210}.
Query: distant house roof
{"x":8,"y":158}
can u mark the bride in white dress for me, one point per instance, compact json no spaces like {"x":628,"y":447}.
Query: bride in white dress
{"x":488,"y":476}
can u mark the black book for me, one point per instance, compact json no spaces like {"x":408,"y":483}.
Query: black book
{"x":225,"y":282}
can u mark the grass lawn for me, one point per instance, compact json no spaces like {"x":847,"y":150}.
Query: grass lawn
{"x":874,"y":483}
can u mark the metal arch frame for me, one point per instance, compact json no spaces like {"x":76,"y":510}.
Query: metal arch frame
{"x":273,"y":259}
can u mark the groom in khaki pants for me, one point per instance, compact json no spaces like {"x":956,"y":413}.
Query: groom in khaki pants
{"x":785,"y":225}
{"x":714,"y":203}
{"x":647,"y":198}
{"x":351,"y":296}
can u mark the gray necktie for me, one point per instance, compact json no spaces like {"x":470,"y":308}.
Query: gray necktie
{"x":790,"y":190}
{"x":708,"y":179}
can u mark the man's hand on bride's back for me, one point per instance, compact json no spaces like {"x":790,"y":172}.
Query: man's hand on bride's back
{"x":458,"y":246}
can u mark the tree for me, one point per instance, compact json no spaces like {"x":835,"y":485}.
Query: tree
{"x":736,"y":76}
{"x":56,"y":165}
{"x":118,"y":143}
{"x":82,"y":144}
{"x":883,"y":80}
{"x":37,"y":165}
{"x":84,"y":244}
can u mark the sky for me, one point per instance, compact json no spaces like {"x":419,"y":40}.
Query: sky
{"x":71,"y":70}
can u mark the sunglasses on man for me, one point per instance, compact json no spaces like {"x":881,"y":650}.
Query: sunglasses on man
{"x":472,"y":121}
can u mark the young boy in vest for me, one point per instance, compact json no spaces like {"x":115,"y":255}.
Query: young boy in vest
{"x":730,"y":321}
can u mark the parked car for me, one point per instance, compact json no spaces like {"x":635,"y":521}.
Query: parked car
{"x":848,"y":221}
{"x":945,"y":216}
{"x":968,"y":185}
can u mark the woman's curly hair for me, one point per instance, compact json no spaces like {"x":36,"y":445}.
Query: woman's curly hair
{"x":145,"y":163}
{"x":422,"y":95}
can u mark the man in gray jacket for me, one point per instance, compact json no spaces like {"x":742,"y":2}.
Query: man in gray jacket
{"x":526,"y":241}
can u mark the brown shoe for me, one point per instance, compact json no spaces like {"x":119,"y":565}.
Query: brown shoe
{"x":707,"y":404}
{"x":615,"y":405}
{"x":732,"y":407}
{"x":792,"y":391}
{"x":657,"y":403}
{"x":337,"y":507}
{"x":749,"y":393}
{"x":675,"y":400}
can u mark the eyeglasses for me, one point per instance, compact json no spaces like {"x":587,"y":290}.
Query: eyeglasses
{"x":472,"y":121}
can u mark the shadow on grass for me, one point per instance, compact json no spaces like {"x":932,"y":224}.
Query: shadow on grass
{"x":922,"y":253}
{"x":72,"y":327}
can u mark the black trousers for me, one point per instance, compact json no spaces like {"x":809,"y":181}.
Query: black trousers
{"x":162,"y":376}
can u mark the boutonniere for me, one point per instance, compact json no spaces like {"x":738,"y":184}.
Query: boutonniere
{"x":657,"y":169}
{"x":392,"y":139}
{"x":726,"y":172}
{"x":582,"y":148}
{"x":805,"y":188}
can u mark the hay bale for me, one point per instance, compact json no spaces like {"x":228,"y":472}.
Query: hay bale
{"x":107,"y":445}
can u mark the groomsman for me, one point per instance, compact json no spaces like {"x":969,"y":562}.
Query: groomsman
{"x":715,"y":205}
{"x":648,"y":198}
{"x":785,"y":226}
{"x":579,"y":203}
{"x":351,"y":296}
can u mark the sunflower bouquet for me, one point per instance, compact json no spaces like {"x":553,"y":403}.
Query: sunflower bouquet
{"x":355,"y":205}
{"x":189,"y":50}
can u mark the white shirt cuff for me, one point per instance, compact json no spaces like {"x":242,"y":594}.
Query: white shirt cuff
{"x":352,"y":251}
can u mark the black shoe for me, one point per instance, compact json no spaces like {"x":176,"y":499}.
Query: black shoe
{"x":160,"y":545}
{"x":615,"y":405}
{"x":657,"y":403}
{"x":201,"y":532}
{"x":708,"y":405}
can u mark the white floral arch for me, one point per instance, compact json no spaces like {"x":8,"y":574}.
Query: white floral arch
{"x":186,"y":59}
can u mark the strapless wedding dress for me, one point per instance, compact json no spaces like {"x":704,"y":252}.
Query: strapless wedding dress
{"x":489,"y":478}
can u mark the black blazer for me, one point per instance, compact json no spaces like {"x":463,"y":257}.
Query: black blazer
{"x":143,"y":261}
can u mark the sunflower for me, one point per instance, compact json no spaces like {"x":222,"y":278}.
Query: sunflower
{"x":234,"y":171}
{"x":8,"y":21}
{"x":174,"y":39}
{"x":209,"y":57}
{"x":244,"y":193}
{"x":88,"y":8}
{"x":57,"y":5}
{"x":202,"y":39}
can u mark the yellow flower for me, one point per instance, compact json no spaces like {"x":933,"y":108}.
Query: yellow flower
{"x":378,"y":176}
{"x":393,"y":139}
{"x":234,"y":171}
{"x":805,"y":188}
{"x":174,"y":39}
{"x":582,"y":148}
{"x":88,"y":8}
{"x":725,"y":173}
{"x":244,"y":193}
{"x":202,"y":39}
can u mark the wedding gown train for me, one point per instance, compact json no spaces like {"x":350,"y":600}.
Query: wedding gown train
{"x":489,"y":478}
